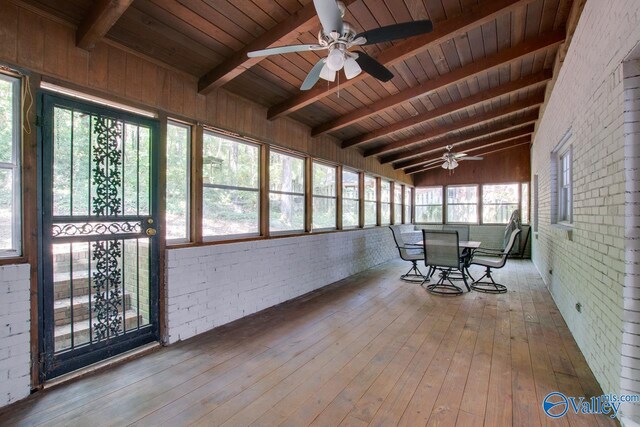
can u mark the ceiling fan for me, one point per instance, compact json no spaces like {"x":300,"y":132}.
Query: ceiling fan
{"x":338,"y":36}
{"x":450,"y":159}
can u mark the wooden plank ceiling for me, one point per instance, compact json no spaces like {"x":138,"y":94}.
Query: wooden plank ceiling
{"x":478,"y":79}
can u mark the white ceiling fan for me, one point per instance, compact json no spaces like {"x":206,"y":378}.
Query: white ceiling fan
{"x":450,"y":160}
{"x":338,"y":36}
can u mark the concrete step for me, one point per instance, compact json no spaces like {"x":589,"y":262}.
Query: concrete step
{"x":62,"y":308}
{"x":62,"y":285}
{"x":62,"y":333}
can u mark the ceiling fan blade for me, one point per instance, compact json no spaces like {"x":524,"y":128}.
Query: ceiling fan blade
{"x":313,"y":76}
{"x":459,"y":155}
{"x":396,"y":31}
{"x":373,"y":67}
{"x":285,"y":49}
{"x":431,"y":163}
{"x":472,"y":158}
{"x":329,"y":15}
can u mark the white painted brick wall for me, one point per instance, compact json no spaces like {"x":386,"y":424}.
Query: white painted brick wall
{"x":15,"y":380}
{"x":590,"y":268}
{"x":630,"y":361}
{"x":209,"y":286}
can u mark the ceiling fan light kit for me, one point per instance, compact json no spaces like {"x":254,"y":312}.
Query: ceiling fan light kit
{"x":338,"y":36}
{"x":450,"y":160}
{"x":351,"y":67}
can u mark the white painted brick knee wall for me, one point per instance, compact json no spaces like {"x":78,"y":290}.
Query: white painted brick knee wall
{"x":590,"y":268}
{"x":15,"y":380}
{"x":209,"y":286}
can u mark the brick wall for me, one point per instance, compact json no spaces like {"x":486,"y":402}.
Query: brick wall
{"x":209,"y":286}
{"x":587,"y":264}
{"x":15,"y":380}
{"x":630,"y":363}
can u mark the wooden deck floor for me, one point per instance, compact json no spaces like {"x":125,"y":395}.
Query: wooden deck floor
{"x":370,"y":350}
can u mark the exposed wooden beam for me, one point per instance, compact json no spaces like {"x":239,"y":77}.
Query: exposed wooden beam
{"x":101,"y":17}
{"x":490,"y":130}
{"x":487,"y":150}
{"x":284,"y":32}
{"x":499,"y":59}
{"x":445,"y":30}
{"x":458,"y":125}
{"x":477,"y":99}
{"x":430,"y":149}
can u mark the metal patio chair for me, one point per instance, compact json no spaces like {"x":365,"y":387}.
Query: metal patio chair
{"x":492,"y":260}
{"x":442,"y":253}
{"x":409,"y":252}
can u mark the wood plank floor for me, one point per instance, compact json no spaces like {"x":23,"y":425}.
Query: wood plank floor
{"x":370,"y":350}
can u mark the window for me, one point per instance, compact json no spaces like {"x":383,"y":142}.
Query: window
{"x":350,"y":199}
{"x":397,"y":203}
{"x":385,"y":202}
{"x":370,"y":201}
{"x":535,"y":202}
{"x":325,"y":198}
{"x":178,"y":178}
{"x":10,"y":228}
{"x":286,"y":192}
{"x":462,"y":204}
{"x":429,"y":205}
{"x":524,"y":202}
{"x":407,"y":205}
{"x":498,"y":203}
{"x":565,"y":203}
{"x":230,"y":197}
{"x":562,"y":181}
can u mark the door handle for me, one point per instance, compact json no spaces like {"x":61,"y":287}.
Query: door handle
{"x":151,"y":231}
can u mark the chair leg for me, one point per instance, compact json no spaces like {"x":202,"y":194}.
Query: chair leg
{"x":464,"y":279}
{"x":414,"y":275}
{"x":443,"y":288}
{"x":488,"y":286}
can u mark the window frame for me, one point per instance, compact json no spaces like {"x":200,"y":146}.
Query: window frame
{"x":442,"y":205}
{"x":447,"y":204}
{"x":408,"y":204}
{"x":565,"y":186}
{"x":517,"y":204}
{"x":319,"y":162}
{"x":374,"y":201}
{"x":397,"y":205}
{"x":219,"y":237}
{"x":342,"y":198}
{"x":524,"y":202}
{"x":305,"y":178}
{"x":190,"y":131}
{"x":561,"y":208}
{"x":382,"y":203}
{"x":15,"y":168}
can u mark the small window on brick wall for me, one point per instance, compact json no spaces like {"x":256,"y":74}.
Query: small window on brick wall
{"x":562,"y":182}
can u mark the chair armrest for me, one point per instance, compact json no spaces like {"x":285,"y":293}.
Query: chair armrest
{"x":485,"y":252}
{"x":489,"y":251}
{"x":411,"y":248}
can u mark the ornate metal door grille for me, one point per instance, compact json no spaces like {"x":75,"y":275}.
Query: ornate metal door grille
{"x":99,"y":205}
